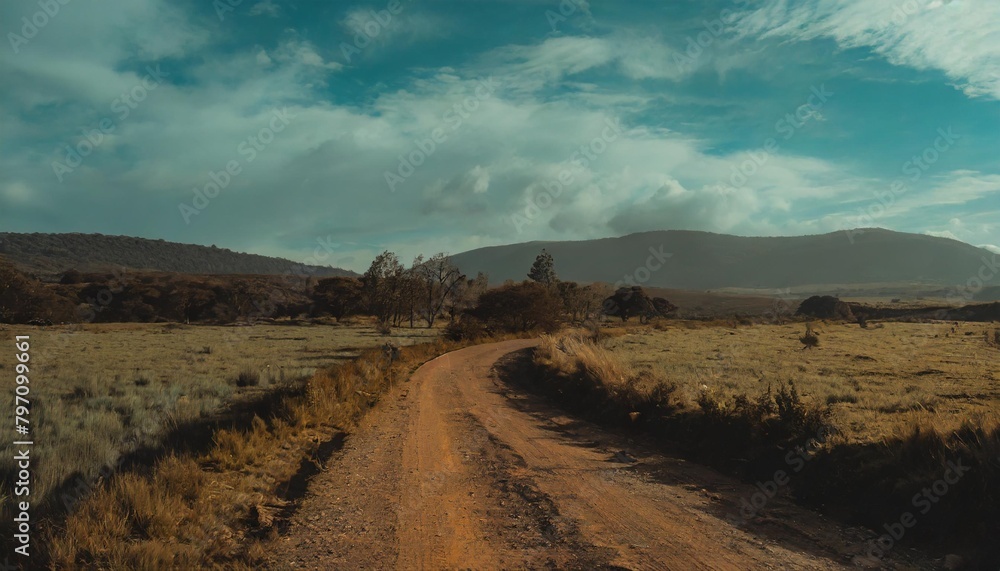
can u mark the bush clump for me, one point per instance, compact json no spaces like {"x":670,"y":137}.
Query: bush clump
{"x":825,"y":307}
{"x":519,"y":308}
{"x":465,"y":328}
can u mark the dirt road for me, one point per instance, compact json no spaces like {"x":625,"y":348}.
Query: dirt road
{"x":457,"y":469}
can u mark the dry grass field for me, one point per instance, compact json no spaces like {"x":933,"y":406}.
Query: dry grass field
{"x":100,"y":391}
{"x":883,"y":410}
{"x":880,"y":382}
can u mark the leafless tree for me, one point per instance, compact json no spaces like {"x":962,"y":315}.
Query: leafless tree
{"x":440,"y":280}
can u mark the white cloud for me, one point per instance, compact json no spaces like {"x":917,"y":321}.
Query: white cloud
{"x":328,"y":165}
{"x":265,"y":7}
{"x":955,"y":188}
{"x":482,"y":179}
{"x":556,"y":59}
{"x":967,"y":230}
{"x":323,"y":175}
{"x":943,"y":234}
{"x":18,"y":193}
{"x":960,"y":38}
{"x":302,"y":52}
{"x":372,"y":28}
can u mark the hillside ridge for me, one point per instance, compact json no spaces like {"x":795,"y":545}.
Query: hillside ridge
{"x":46,"y":254}
{"x":687,"y":259}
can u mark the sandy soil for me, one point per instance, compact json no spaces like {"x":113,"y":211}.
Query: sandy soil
{"x":458,"y":469}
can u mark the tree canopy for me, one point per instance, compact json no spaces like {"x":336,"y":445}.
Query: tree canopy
{"x":543,"y":270}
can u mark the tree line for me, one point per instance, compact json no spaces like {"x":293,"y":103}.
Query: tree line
{"x":430,"y":289}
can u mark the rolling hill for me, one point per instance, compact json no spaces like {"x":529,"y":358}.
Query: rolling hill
{"x":702,"y":260}
{"x":51,"y":254}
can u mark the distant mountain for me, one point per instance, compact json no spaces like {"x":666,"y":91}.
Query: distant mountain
{"x":49,"y":254}
{"x":703,"y":260}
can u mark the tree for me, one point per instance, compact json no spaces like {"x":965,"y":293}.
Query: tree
{"x":339,"y":297}
{"x":381,"y":287}
{"x":593,"y":295}
{"x":572,"y":298}
{"x":411,"y":294}
{"x":467,"y":294}
{"x":244,"y":295}
{"x":440,"y":280}
{"x":661,"y":307}
{"x":631,"y":302}
{"x":578,"y":301}
{"x":543,"y":270}
{"x":519,"y":307}
{"x":24,"y":299}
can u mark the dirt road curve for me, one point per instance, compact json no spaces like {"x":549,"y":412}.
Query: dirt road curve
{"x":458,"y":470}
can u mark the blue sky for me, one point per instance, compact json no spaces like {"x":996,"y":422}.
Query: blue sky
{"x":438,"y":125}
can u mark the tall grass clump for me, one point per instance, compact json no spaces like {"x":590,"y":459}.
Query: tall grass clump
{"x":746,"y":433}
{"x":873,"y":484}
{"x":590,"y":379}
{"x":740,"y":432}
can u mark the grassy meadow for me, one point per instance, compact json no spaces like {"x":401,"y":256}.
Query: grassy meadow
{"x":880,"y":382}
{"x":103,"y":390}
{"x":100,"y":391}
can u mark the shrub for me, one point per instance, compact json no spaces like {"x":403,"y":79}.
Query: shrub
{"x":25,"y":300}
{"x":594,"y":332}
{"x":842,"y":397}
{"x":248,"y":378}
{"x":518,"y":308}
{"x":994,"y":340}
{"x":628,"y":302}
{"x":825,"y":307}
{"x":810,"y":339}
{"x":465,"y":328}
{"x":338,"y":297}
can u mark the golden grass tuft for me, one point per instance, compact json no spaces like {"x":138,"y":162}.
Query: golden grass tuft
{"x":573,"y":354}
